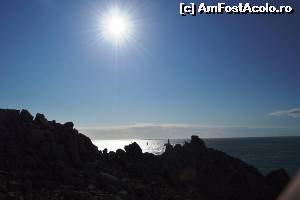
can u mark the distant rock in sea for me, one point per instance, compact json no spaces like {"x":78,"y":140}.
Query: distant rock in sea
{"x":41,"y":159}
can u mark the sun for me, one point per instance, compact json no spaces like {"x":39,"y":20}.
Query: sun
{"x":116,"y":26}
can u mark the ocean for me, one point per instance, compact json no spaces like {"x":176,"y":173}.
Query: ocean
{"x":265,"y":153}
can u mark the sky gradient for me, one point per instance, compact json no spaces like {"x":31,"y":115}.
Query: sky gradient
{"x":177,"y":73}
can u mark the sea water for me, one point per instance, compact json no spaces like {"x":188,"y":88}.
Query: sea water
{"x":265,"y":153}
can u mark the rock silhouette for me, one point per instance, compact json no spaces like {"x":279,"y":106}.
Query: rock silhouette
{"x":41,"y":159}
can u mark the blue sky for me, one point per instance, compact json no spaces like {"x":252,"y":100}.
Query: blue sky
{"x":213,"y":70}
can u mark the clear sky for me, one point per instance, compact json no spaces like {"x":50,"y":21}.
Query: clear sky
{"x":183,"y":72}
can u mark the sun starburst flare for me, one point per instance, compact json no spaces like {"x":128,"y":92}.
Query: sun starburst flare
{"x":116,"y":26}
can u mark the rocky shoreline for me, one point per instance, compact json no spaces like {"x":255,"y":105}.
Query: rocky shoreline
{"x":45,"y":160}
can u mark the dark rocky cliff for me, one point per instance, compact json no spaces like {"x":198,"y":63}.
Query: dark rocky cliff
{"x":41,"y":159}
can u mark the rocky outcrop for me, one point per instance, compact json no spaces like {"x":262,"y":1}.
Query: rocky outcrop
{"x":133,"y":149}
{"x":41,"y":159}
{"x":277,"y":180}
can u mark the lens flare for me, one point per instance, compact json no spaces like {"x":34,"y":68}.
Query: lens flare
{"x":116,"y":26}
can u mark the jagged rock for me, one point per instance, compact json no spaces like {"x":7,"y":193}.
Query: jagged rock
{"x":105,"y":151}
{"x":111,"y":153}
{"x":133,"y":149}
{"x":120,"y":152}
{"x":26,"y":116}
{"x":40,"y":118}
{"x":169,"y":147}
{"x":87,"y":150}
{"x":69,"y":125}
{"x":41,"y":159}
{"x":195,"y":140}
{"x":177,"y":148}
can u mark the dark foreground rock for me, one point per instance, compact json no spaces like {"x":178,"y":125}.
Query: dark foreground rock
{"x":41,"y":159}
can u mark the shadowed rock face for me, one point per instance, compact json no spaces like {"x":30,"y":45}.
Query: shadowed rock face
{"x":41,"y":159}
{"x":133,"y":149}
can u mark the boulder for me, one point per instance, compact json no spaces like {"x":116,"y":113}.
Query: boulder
{"x":133,"y":149}
{"x":120,"y":152}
